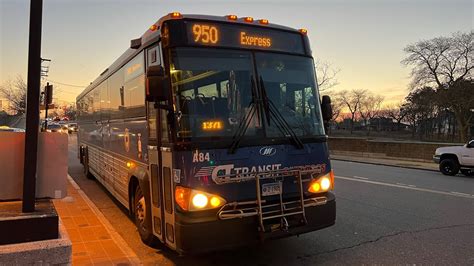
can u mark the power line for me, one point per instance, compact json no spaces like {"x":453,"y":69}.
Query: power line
{"x":65,"y":84}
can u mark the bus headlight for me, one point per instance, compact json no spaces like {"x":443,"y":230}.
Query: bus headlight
{"x":322,"y":184}
{"x":195,"y":200}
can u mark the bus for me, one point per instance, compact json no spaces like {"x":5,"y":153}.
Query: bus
{"x":210,"y":131}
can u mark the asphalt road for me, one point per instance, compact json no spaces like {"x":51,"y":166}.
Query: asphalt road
{"x":385,"y":215}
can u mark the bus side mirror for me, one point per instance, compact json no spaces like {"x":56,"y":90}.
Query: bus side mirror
{"x":326,"y":108}
{"x":157,"y":84}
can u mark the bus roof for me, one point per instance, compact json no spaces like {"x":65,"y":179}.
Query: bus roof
{"x":152,"y":34}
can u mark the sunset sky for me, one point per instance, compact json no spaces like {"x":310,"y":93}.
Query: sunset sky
{"x":365,"y":39}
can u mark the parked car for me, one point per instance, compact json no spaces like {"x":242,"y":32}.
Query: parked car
{"x":456,"y":158}
{"x":53,"y":127}
{"x":11,"y":129}
{"x":72,"y":127}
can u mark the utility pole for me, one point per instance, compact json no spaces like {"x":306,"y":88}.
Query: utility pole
{"x":32,"y":106}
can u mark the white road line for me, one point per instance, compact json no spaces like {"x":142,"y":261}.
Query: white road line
{"x":401,"y":184}
{"x":462,"y":195}
{"x":361,"y":177}
{"x":411,"y":185}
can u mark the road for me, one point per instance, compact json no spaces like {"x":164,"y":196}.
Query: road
{"x":385,"y":215}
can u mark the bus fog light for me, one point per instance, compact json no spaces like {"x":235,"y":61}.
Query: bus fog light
{"x":314,"y":187}
{"x":215,"y":202}
{"x":200,"y":201}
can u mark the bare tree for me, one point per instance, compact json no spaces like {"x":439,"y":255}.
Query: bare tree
{"x":459,"y":99}
{"x":370,"y":107}
{"x":397,"y":113}
{"x":15,"y":92}
{"x":326,"y":75}
{"x":441,"y":61}
{"x":352,"y":100}
{"x":447,"y":64}
{"x":337,"y":106}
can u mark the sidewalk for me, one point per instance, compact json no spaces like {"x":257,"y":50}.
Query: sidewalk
{"x":94,"y":241}
{"x":384,"y":160}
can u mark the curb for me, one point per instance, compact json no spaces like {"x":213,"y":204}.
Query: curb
{"x":121,"y":243}
{"x":385,"y":164}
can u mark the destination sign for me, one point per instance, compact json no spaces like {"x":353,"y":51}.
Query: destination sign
{"x":243,"y":36}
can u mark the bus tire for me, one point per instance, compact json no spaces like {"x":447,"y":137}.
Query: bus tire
{"x":85,"y":160}
{"x":142,"y":217}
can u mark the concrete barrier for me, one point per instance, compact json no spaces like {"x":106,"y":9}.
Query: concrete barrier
{"x":52,"y":164}
{"x":46,"y":252}
{"x":400,"y":149}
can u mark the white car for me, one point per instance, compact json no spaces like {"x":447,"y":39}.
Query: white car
{"x":456,"y":158}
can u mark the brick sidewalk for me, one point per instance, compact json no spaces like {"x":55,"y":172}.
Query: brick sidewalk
{"x":94,"y":241}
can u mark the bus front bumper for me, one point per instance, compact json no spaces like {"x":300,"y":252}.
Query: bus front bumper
{"x":203,"y":237}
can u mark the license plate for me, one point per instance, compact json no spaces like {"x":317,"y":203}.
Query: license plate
{"x":271,"y":189}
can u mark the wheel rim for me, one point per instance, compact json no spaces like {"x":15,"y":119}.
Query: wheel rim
{"x":140,"y":211}
{"x":448,"y":168}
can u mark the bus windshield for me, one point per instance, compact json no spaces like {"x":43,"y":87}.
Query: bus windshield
{"x":215,"y":88}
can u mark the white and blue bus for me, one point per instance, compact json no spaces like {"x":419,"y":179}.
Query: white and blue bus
{"x":210,"y":131}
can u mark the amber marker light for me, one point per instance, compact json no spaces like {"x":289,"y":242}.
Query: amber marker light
{"x":248,"y":19}
{"x":263,"y":21}
{"x":130,"y":164}
{"x":153,"y":27}
{"x":175,"y":15}
{"x":231,"y":17}
{"x":303,"y":31}
{"x":181,"y":196}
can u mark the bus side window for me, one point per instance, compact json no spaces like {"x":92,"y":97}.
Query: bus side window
{"x":116,"y":94}
{"x":134,"y":88}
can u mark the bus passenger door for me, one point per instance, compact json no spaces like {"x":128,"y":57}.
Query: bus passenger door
{"x":156,"y":194}
{"x":162,"y":184}
{"x":154,"y":154}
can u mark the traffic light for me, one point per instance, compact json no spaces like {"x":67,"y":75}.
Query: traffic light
{"x":48,"y":94}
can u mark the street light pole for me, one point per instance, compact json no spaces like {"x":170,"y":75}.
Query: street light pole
{"x":32,"y":106}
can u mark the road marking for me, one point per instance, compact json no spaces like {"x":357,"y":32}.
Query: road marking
{"x":401,"y":184}
{"x":361,"y":177}
{"x":461,"y":195}
{"x":411,"y":185}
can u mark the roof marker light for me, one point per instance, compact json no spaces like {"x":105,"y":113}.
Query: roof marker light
{"x":263,"y":21}
{"x":248,"y":19}
{"x":153,"y":27}
{"x":303,"y":31}
{"x":231,"y":17}
{"x":175,"y":15}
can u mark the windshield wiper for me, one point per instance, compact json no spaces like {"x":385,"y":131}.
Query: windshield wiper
{"x":272,"y":112}
{"x":245,"y":123}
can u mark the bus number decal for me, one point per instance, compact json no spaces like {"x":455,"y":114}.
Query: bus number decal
{"x":205,"y":34}
{"x":199,"y":157}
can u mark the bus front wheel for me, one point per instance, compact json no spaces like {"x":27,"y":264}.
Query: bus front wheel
{"x":142,"y":216}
